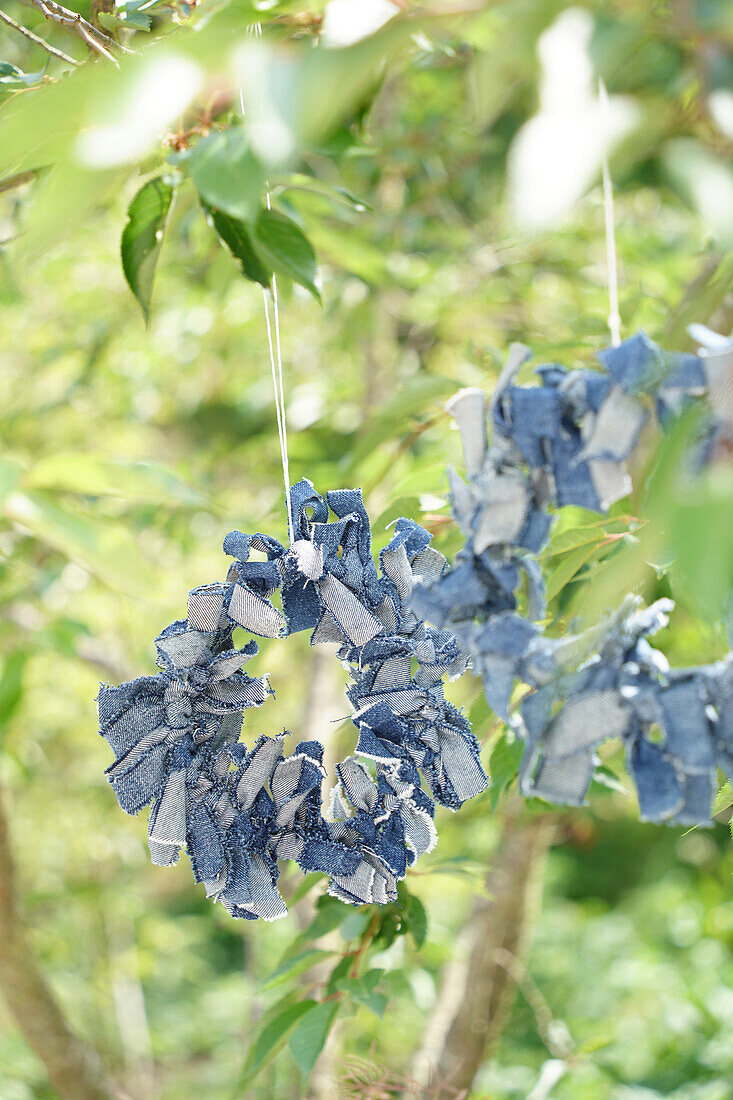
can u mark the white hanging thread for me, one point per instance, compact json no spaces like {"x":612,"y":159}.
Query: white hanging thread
{"x":275,"y":349}
{"x":614,"y":316}
{"x":278,"y":388}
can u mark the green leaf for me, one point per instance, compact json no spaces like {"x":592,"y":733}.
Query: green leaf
{"x":298,"y":181}
{"x":339,"y":973}
{"x":95,"y":475}
{"x":309,"y":1037}
{"x":11,"y":686}
{"x":10,"y":473}
{"x":292,"y":965}
{"x":503,"y":766}
{"x":272,"y":1034}
{"x":96,"y":543}
{"x":354,"y":923}
{"x":228,"y":175}
{"x":142,"y":238}
{"x":581,"y":536}
{"x":702,"y":298}
{"x":363,"y":991}
{"x":329,"y":915}
{"x":283,"y":244}
{"x":309,"y":881}
{"x":723,"y":799}
{"x":570,"y":564}
{"x":239,"y":239}
{"x":414,"y":915}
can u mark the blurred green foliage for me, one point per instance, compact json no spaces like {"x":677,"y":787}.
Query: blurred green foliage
{"x":129,"y":452}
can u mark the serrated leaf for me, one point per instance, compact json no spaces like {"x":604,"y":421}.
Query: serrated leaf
{"x":309,"y":1037}
{"x":723,"y":799}
{"x":239,"y":239}
{"x":227,"y":174}
{"x":96,"y":543}
{"x":142,"y":238}
{"x":272,"y":1034}
{"x":95,"y":475}
{"x":283,"y":244}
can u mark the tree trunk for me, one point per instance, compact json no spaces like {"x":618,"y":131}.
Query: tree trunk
{"x":477,"y":987}
{"x":73,"y":1067}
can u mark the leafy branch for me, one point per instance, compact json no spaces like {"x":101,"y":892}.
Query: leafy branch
{"x":73,"y":21}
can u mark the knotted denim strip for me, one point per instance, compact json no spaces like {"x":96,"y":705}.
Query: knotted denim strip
{"x":239,"y":811}
{"x":566,"y":442}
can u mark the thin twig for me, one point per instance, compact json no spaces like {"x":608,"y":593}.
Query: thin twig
{"x":19,"y":179}
{"x":35,"y":38}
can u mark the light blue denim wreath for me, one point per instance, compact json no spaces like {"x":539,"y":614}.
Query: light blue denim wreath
{"x":566,"y":441}
{"x":239,"y":812}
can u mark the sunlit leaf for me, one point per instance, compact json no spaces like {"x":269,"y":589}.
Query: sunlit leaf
{"x":10,"y":474}
{"x":95,"y":475}
{"x":723,"y":799}
{"x":569,"y":566}
{"x":96,"y":543}
{"x":142,"y":238}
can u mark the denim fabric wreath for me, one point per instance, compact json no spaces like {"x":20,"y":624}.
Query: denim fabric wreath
{"x":239,"y":812}
{"x":567,"y":441}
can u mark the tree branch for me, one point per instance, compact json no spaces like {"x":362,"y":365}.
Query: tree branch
{"x":477,"y":988}
{"x":73,"y":1067}
{"x":38,"y":41}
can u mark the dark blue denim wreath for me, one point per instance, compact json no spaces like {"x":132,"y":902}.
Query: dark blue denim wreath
{"x":176,"y":735}
{"x":566,"y":441}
